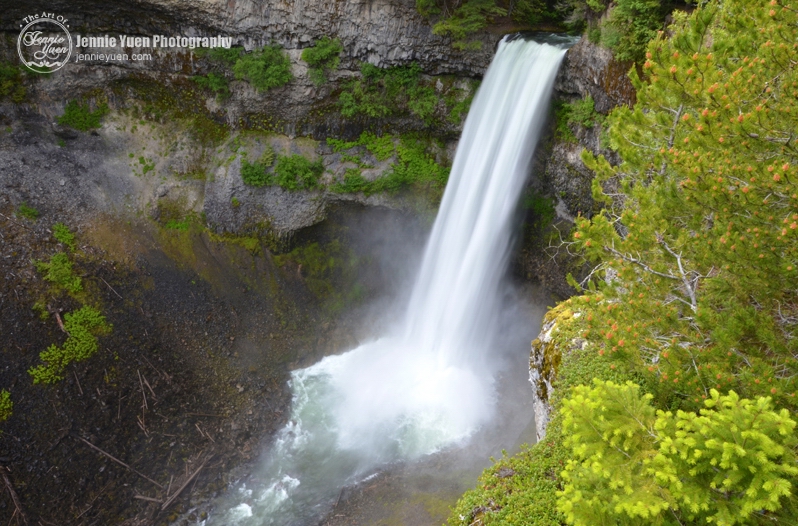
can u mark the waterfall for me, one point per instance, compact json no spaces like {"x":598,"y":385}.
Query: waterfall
{"x":429,"y":385}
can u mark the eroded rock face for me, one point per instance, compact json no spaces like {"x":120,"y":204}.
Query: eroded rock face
{"x":548,"y":351}
{"x":588,"y":69}
{"x":591,"y":69}
{"x":382,"y":32}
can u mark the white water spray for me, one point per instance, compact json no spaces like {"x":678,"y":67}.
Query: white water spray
{"x":430,"y":385}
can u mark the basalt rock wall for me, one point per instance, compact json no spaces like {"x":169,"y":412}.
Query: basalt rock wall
{"x":382,"y":32}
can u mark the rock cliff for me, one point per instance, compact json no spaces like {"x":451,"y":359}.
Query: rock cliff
{"x":382,"y":32}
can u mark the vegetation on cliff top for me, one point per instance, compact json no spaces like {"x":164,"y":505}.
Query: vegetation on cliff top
{"x":624,"y":26}
{"x":694,"y":256}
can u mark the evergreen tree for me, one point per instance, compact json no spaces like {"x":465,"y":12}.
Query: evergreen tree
{"x":697,"y":242}
{"x":731,"y":463}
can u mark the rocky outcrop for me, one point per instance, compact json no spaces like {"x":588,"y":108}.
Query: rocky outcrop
{"x":589,"y":69}
{"x":128,"y":168}
{"x":548,"y":350}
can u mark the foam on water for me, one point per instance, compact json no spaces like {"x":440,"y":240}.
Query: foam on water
{"x":429,"y":385}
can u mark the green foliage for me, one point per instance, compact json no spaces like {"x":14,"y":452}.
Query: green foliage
{"x":83,"y":326}
{"x":295,"y":172}
{"x":630,"y":26}
{"x":389,"y":91}
{"x":291,"y":172}
{"x":700,"y":231}
{"x":471,"y":16}
{"x":175,"y":224}
{"x":583,"y":112}
{"x":79,"y":117}
{"x":322,"y":58}
{"x":532,"y":12}
{"x":267,"y":157}
{"x":6,"y":405}
{"x":635,"y":465}
{"x":235,"y":202}
{"x":265,"y":68}
{"x":62,"y":234}
{"x":255,"y":174}
{"x":459,"y":108}
{"x":11,"y":82}
{"x":40,"y":308}
{"x":214,"y":82}
{"x":427,"y":7}
{"x":59,"y":271}
{"x":578,"y":113}
{"x":414,"y":166}
{"x":28,"y":212}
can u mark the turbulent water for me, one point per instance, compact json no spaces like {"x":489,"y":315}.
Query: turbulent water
{"x":429,"y":384}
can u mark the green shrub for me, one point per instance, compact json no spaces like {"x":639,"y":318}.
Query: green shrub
{"x":11,"y":82}
{"x":383,"y":92}
{"x":632,"y":464}
{"x":59,"y":271}
{"x":381,"y":147}
{"x":27,"y":212}
{"x":295,"y":172}
{"x":427,"y":7}
{"x":581,"y":112}
{"x":414,"y":166}
{"x":214,"y":82}
{"x":235,"y":202}
{"x":83,"y":327}
{"x":265,"y":68}
{"x":353,"y":183}
{"x":255,"y":174}
{"x":562,"y":113}
{"x":630,"y":26}
{"x":322,"y":58}
{"x":6,"y":405}
{"x":62,"y":234}
{"x":79,"y":117}
{"x":522,"y":489}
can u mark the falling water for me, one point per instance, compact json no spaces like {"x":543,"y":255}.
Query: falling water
{"x":430,"y":384}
